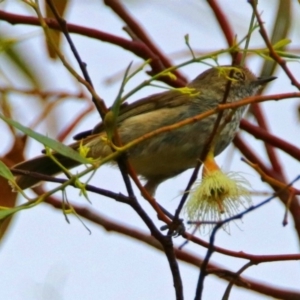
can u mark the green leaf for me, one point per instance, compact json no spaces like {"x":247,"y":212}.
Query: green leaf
{"x":48,"y":142}
{"x":282,"y":43}
{"x":110,"y":119}
{"x":16,"y":57}
{"x":5,"y":172}
{"x":6,"y":212}
{"x":264,"y":56}
{"x":288,"y":55}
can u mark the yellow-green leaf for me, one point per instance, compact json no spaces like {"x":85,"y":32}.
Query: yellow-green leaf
{"x":16,"y":57}
{"x":48,"y":142}
{"x":282,"y":43}
{"x":5,"y":172}
{"x":7,"y":211}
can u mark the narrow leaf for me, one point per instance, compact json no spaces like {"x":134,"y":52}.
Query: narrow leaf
{"x":282,"y":43}
{"x":6,"y":212}
{"x":5,"y":172}
{"x":52,"y":144}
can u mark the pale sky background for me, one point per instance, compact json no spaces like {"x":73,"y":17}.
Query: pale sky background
{"x":44,"y":257}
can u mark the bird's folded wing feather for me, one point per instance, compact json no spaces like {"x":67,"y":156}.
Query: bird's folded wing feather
{"x":148,"y":104}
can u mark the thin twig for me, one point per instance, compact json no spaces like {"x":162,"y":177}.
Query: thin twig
{"x":98,"y":102}
{"x":230,"y":285}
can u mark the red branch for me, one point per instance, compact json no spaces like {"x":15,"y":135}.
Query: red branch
{"x":120,"y":10}
{"x":273,"y":140}
{"x":277,"y":167}
{"x":139,"y":48}
{"x":255,"y":259}
{"x":272,"y":52}
{"x":223,"y":22}
{"x":225,"y":27}
{"x":185,"y":256}
{"x":284,"y":196}
{"x":261,"y":120}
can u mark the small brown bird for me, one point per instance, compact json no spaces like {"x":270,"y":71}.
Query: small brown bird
{"x":170,"y":153}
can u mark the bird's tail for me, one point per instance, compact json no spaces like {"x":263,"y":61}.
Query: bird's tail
{"x":45,"y":165}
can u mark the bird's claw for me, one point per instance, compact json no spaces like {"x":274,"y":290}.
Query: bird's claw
{"x":176,"y":228}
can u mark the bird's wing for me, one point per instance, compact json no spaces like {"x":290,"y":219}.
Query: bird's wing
{"x":172,"y":98}
{"x":167,"y":99}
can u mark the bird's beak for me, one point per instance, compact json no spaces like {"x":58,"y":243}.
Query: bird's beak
{"x":264,"y":80}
